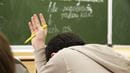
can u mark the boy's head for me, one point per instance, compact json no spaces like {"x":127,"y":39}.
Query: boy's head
{"x":61,"y":41}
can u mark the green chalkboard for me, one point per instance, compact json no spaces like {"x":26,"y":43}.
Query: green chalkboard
{"x":88,"y":18}
{"x":121,"y":22}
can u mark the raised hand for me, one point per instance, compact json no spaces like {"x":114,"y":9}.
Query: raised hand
{"x":35,"y":26}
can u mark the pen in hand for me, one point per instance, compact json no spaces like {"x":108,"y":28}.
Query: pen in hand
{"x":34,"y":34}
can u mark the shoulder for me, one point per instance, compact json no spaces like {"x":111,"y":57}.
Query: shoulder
{"x":56,"y":64}
{"x":20,"y":67}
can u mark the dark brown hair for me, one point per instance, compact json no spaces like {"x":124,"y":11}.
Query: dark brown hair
{"x":61,"y":41}
{"x":6,"y":58}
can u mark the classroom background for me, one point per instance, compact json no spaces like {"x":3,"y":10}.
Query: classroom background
{"x":96,"y":21}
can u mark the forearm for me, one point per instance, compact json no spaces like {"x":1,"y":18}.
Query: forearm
{"x":40,"y":58}
{"x":55,"y":65}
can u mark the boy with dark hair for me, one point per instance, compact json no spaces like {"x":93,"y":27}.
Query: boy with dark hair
{"x":75,"y":57}
{"x":61,"y":41}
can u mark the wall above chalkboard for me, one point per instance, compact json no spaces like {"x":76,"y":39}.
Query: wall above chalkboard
{"x":87,"y":18}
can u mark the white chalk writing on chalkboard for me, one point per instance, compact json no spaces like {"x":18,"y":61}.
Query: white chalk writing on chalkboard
{"x":81,"y":11}
{"x":66,"y":29}
{"x":52,"y":7}
{"x":50,"y":20}
{"x":53,"y":29}
{"x":91,"y":0}
{"x":86,"y":0}
{"x":69,"y":15}
{"x":50,"y":4}
{"x":78,"y":3}
{"x":78,"y":10}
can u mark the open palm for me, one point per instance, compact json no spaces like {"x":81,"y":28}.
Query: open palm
{"x":35,"y":26}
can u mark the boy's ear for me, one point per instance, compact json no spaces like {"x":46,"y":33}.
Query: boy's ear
{"x":52,"y":54}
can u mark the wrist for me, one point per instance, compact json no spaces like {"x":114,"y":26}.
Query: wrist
{"x":38,"y":44}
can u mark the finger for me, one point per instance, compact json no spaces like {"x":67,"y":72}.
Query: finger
{"x":42,"y":19}
{"x":33,"y":23}
{"x":36,"y":21}
{"x":30,"y":27}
